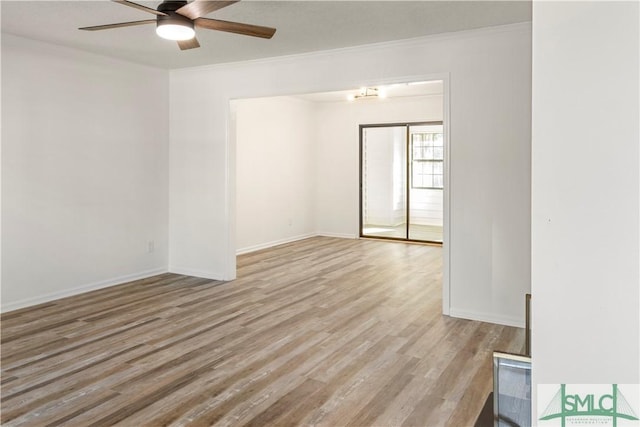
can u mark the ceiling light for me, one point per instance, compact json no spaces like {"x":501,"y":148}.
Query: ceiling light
{"x":368,"y":93}
{"x":175,"y":32}
{"x":175,"y":27}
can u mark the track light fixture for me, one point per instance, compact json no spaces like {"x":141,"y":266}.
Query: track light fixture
{"x":368,"y":93}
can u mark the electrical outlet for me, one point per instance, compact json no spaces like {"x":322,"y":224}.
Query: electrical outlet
{"x":151,"y":246}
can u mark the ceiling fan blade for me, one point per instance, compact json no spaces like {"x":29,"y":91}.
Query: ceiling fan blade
{"x":235,"y":27}
{"x":188,"y":44}
{"x":140,"y":7}
{"x":118,"y":25}
{"x":198,"y":8}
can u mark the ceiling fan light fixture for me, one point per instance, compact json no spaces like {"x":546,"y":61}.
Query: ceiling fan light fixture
{"x":175,"y":28}
{"x":175,"y":20}
{"x":175,"y":32}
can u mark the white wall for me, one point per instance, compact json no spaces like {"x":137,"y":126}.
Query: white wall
{"x":84,"y":171}
{"x":280,"y":137}
{"x":490,"y":111}
{"x":337,"y":129}
{"x":585,"y":285}
{"x":275,"y":171}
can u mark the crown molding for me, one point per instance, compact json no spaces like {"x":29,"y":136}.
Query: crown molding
{"x":394,"y":44}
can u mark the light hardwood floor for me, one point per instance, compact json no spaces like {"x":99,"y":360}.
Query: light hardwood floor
{"x":326,"y":332}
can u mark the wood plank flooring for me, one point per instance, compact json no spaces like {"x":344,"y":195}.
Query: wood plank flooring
{"x":322,"y":332}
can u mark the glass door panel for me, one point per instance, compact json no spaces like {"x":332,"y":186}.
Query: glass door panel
{"x":383,"y":181}
{"x":426,"y":186}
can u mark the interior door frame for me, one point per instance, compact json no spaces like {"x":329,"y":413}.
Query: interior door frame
{"x":407,"y":126}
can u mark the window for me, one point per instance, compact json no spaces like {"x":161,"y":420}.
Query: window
{"x":427,"y":160}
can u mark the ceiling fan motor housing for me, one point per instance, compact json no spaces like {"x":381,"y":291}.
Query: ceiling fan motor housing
{"x":169,"y":7}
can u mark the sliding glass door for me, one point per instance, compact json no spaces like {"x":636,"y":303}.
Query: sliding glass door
{"x":402,"y":181}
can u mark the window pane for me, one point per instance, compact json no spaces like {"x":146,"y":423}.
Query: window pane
{"x":427,"y":162}
{"x":429,"y":139}
{"x":428,"y":167}
{"x":428,"y":153}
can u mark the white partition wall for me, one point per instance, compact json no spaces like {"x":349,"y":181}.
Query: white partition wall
{"x":586,"y":190}
{"x":490,"y":78}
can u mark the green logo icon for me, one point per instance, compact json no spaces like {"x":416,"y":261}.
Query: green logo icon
{"x":564,"y":405}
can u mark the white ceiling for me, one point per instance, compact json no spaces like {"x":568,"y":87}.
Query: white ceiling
{"x":302,"y":26}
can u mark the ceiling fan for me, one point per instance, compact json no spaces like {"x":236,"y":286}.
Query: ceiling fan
{"x":175,"y":20}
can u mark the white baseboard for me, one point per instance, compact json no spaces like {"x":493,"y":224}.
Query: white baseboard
{"x":271,"y":244}
{"x":487,"y":317}
{"x":338,"y":235}
{"x":27,"y":302}
{"x":196,"y":273}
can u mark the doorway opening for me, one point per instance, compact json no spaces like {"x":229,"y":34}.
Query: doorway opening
{"x":402,"y":181}
{"x":294,"y":157}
